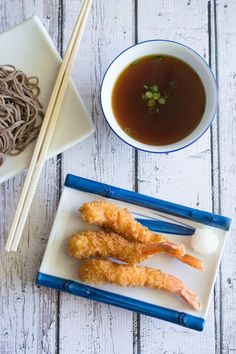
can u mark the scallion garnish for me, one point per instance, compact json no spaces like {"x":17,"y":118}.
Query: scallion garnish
{"x":152,"y":96}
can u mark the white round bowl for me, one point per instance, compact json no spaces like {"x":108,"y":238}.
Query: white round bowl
{"x":160,"y":47}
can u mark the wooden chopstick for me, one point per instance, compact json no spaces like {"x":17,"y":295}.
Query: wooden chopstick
{"x":46,"y":131}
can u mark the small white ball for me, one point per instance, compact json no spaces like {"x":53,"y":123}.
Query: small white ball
{"x":204,"y":241}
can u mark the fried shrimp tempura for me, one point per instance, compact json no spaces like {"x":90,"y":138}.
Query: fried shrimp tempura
{"x":99,"y":271}
{"x":103,"y":244}
{"x":111,"y":217}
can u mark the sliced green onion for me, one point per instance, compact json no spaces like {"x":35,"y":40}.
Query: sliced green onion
{"x":151,"y":103}
{"x":152,"y":96}
{"x":144,"y":98}
{"x":162,"y":100}
{"x":149,"y":94}
{"x":156,"y":96}
{"x":154,"y":88}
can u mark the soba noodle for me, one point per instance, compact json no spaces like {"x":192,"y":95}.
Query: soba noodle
{"x":21,"y":113}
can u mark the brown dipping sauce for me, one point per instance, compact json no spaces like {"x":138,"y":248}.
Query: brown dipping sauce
{"x":166,"y":123}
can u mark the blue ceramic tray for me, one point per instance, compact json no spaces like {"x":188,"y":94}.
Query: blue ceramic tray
{"x":59,"y":271}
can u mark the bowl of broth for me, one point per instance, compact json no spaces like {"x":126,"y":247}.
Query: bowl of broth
{"x":159,"y":96}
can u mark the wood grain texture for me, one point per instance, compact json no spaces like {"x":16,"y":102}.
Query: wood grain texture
{"x":183,"y":177}
{"x":215,"y":168}
{"x":28,"y":314}
{"x":86,"y":326}
{"x":37,"y":320}
{"x":226,"y":60}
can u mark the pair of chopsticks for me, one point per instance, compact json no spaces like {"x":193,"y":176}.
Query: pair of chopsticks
{"x":46,"y":131}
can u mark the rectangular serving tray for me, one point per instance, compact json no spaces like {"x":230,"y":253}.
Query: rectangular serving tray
{"x":60,"y":271}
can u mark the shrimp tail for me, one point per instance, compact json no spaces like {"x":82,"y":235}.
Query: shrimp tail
{"x":99,"y":271}
{"x":171,"y":248}
{"x":189,"y":297}
{"x":191,"y":261}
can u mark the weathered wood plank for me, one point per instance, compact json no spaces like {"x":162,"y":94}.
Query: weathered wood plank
{"x":226,"y":58}
{"x":28,"y":314}
{"x":85,"y":326}
{"x":183,"y":177}
{"x":215,"y":160}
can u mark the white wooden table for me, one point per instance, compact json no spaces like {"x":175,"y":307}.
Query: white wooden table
{"x":38,"y":320}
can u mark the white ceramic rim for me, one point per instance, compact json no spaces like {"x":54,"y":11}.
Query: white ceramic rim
{"x":193,"y":59}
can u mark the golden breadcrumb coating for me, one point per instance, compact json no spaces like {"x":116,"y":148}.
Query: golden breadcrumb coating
{"x":98,"y":271}
{"x":104,"y":244}
{"x":111,"y":217}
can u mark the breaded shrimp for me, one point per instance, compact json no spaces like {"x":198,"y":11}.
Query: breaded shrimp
{"x":99,"y":271}
{"x":111,"y":217}
{"x":103,"y":244}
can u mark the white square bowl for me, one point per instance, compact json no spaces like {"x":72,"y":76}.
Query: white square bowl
{"x":29,"y":47}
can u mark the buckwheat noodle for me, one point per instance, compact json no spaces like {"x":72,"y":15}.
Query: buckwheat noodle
{"x":21,"y":112}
